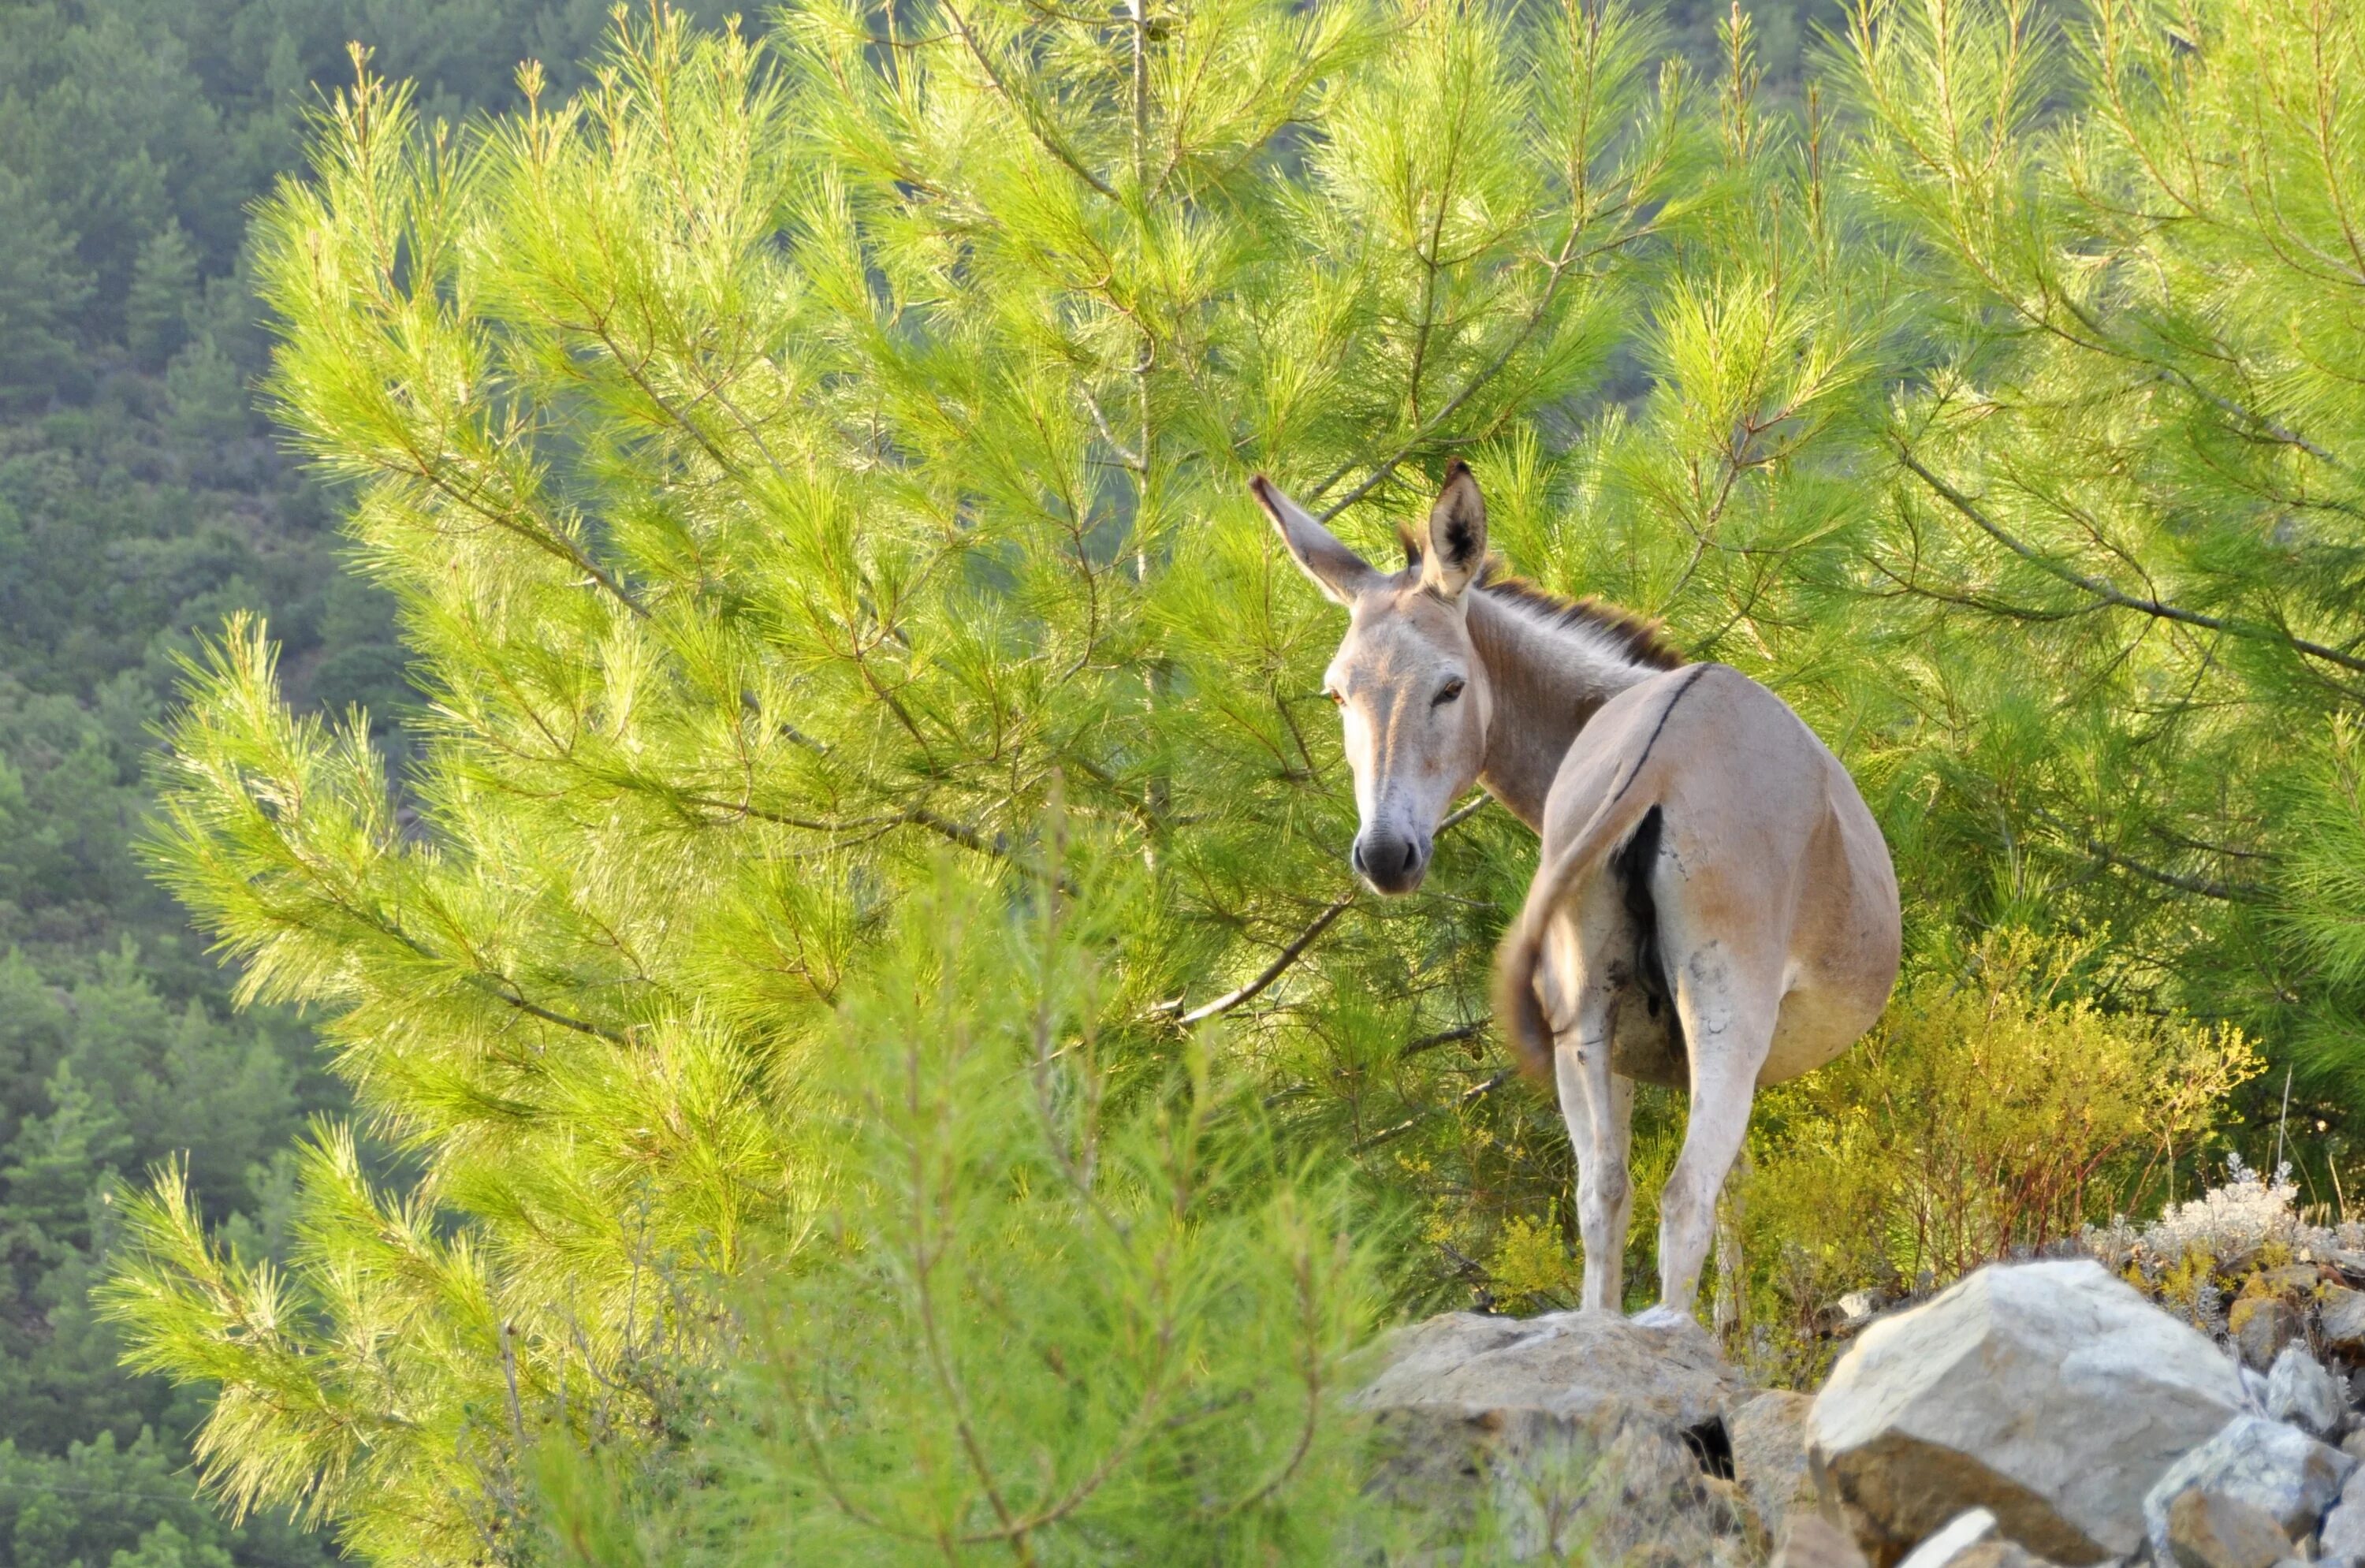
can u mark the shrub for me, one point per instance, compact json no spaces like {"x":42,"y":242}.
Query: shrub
{"x":1988,"y":1113}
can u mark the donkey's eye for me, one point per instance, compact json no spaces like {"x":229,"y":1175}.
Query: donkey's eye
{"x":1452,"y":690}
{"x":1338,"y":698}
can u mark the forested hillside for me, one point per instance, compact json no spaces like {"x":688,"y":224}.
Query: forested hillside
{"x":843,"y":870}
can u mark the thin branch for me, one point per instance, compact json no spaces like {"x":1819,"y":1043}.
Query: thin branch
{"x":2109,"y":592}
{"x":1462,"y":1100}
{"x":1469,"y":1031}
{"x":2231,"y":892}
{"x":1272,"y":971}
{"x":1298,"y":944}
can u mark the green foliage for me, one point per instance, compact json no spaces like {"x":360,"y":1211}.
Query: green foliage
{"x":163,"y":293}
{"x":1048,"y":1314}
{"x":137,"y":503}
{"x":2133,"y":443}
{"x":40,"y":289}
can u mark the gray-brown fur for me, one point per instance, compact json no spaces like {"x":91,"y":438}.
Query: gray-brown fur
{"x":1770,"y":896}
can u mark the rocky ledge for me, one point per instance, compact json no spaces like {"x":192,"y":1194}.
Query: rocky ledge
{"x":2036,"y":1414}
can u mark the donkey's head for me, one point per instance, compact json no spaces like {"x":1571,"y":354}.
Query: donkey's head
{"x":1407,"y":681}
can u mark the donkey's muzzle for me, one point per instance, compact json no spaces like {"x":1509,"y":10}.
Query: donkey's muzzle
{"x":1390,"y":862}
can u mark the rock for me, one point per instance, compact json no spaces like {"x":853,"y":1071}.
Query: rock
{"x":1769,"y":1455}
{"x":2344,"y":1527}
{"x":2301,"y":1392}
{"x":1566,"y":1430}
{"x":1974,"y":1527}
{"x":2209,"y":1529}
{"x":2261,"y":1326}
{"x":2340,"y":1318}
{"x":1971,"y":1542}
{"x":1566,"y":1363}
{"x":2280,"y":1471}
{"x":2353,"y":1445}
{"x":2290,"y":1279}
{"x":2051,"y":1394}
{"x":1809,"y":1541}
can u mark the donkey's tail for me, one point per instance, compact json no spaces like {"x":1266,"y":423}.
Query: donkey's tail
{"x":1517,"y":1006}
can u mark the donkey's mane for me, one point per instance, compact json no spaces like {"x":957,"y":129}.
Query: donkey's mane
{"x":1631,"y":634}
{"x":1627,"y":632}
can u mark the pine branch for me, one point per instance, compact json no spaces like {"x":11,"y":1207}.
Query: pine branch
{"x":2110,"y":593}
{"x":2234,"y":892}
{"x":1461,"y":1101}
{"x":1288,"y":955}
{"x":1295,"y":947}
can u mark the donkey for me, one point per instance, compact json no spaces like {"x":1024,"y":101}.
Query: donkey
{"x":1714,"y":907}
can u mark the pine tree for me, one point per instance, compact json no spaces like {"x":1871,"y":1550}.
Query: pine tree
{"x":2132,"y":461}
{"x":164,"y":289}
{"x":42,"y":288}
{"x":791,"y":475}
{"x":797,"y":468}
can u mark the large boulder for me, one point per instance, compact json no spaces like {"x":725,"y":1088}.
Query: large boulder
{"x":1564,"y":1363}
{"x":2050,"y":1393}
{"x":1565,"y":1430}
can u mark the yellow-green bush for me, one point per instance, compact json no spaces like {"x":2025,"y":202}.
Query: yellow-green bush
{"x":1987,"y":1113}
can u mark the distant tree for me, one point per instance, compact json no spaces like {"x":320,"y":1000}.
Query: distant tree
{"x":41,"y":292}
{"x":164,"y":292}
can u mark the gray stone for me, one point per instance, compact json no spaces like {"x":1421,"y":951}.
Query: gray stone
{"x":2261,"y":1326}
{"x":2301,"y":1392}
{"x":2344,"y":1527}
{"x":1769,"y":1455}
{"x":1557,"y":1432}
{"x":2051,"y":1394}
{"x":2278,"y":1469}
{"x":2209,"y":1529}
{"x":2340,"y":1318}
{"x":1566,"y":1363}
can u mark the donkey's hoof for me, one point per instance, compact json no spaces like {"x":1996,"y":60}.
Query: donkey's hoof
{"x":1663,"y":1316}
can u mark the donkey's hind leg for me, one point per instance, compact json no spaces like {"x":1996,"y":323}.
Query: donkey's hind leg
{"x":1728,"y":1021}
{"x":1599,"y":1106}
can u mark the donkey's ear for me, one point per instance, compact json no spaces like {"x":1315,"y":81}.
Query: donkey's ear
{"x":1338,"y":571}
{"x":1457,"y":534}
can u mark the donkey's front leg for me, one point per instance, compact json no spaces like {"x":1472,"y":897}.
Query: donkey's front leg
{"x":1599,"y":1106}
{"x":1727,"y":1035}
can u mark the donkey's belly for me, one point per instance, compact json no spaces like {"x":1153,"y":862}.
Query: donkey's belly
{"x":1814,"y":1027}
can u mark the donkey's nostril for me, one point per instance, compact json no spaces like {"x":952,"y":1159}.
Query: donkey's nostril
{"x":1411,"y":858}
